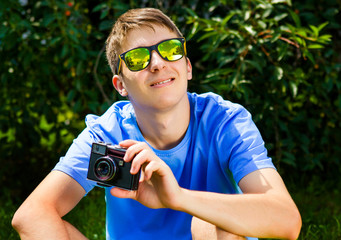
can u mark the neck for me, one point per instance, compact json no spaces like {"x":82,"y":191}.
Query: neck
{"x":164,"y":129}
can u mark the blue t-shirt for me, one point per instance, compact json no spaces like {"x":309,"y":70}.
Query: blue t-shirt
{"x":221,"y":146}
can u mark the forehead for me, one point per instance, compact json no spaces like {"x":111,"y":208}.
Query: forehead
{"x":146,"y":36}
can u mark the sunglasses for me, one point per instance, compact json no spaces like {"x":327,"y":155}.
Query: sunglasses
{"x":137,"y":59}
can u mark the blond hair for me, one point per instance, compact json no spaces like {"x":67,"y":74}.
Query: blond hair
{"x":134,"y":19}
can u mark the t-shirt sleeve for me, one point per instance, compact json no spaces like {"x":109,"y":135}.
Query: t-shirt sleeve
{"x":242,"y":144}
{"x":106,"y":128}
{"x":76,"y":160}
{"x":75,"y":163}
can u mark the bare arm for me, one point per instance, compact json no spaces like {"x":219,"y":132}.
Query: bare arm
{"x":264,"y":210}
{"x":40,"y":216}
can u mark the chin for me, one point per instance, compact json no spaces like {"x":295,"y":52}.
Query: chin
{"x":171,"y":100}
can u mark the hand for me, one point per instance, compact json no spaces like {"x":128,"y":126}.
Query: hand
{"x":158,"y":187}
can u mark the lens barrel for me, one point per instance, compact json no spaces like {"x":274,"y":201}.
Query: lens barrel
{"x":105,"y":168}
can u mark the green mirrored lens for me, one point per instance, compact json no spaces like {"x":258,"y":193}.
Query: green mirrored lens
{"x":137,"y":59}
{"x":171,"y":50}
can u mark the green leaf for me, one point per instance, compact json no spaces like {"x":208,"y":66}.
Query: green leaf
{"x":261,"y":24}
{"x":278,"y":73}
{"x":282,"y":51}
{"x":193,"y":30}
{"x":275,"y":37}
{"x":281,"y":1}
{"x":55,"y":41}
{"x":65,"y":50}
{"x":99,"y":7}
{"x":47,"y":20}
{"x":191,"y":12}
{"x":315,"y":46}
{"x":207,"y":35}
{"x":321,"y":26}
{"x":255,"y":64}
{"x":227,"y":59}
{"x":250,"y":30}
{"x":71,"y":95}
{"x":295,"y":17}
{"x":306,"y":53}
{"x":44,"y":124}
{"x":247,"y":15}
{"x":105,"y":25}
{"x":289,"y":158}
{"x":294,"y":89}
{"x":280,"y":17}
{"x":104,"y":13}
{"x":315,"y":30}
{"x":325,"y":38}
{"x":227,"y":18}
{"x":267,"y":13}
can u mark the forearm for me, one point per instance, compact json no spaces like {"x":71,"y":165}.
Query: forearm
{"x":258,"y":215}
{"x":44,"y":225}
{"x":40,"y":216}
{"x":73,"y":232}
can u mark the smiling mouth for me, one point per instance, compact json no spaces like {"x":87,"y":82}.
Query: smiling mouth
{"x":163,"y":82}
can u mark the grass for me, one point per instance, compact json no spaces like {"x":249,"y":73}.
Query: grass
{"x":318,"y":201}
{"x":88,"y":216}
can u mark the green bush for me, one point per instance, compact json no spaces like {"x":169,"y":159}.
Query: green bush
{"x":53,"y":74}
{"x":258,"y":53}
{"x":274,"y":58}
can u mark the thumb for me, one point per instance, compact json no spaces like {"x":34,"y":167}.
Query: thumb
{"x":122,"y":193}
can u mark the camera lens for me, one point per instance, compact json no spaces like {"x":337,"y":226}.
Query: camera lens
{"x":105,"y":168}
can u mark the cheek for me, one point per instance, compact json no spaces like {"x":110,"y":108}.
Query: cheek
{"x":134,"y":81}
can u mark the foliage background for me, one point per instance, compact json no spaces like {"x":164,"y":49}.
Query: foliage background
{"x":280,"y":59}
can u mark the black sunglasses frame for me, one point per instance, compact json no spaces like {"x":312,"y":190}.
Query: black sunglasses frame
{"x":150,"y":49}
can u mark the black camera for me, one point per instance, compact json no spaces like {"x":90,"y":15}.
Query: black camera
{"x":107,"y":167}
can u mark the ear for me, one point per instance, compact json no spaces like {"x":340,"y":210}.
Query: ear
{"x":118,"y":83}
{"x":189,"y":69}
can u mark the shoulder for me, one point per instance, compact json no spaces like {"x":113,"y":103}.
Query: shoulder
{"x":110,"y":123}
{"x":116,"y":112}
{"x":213,"y":101}
{"x":214,"y":109}
{"x":223,"y":122}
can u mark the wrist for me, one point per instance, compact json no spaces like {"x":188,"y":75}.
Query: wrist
{"x":182,"y":199}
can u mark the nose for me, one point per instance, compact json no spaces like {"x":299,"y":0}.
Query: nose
{"x":156,"y":62}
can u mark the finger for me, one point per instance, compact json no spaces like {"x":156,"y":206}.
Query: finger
{"x":142,"y":177}
{"x":144,"y":156}
{"x":134,"y":150}
{"x":122,"y":193}
{"x":127,"y":143}
{"x":150,"y":169}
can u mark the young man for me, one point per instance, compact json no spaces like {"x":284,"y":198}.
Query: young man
{"x":197,"y":154}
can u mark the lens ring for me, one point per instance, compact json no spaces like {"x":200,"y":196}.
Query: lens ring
{"x":105,"y":168}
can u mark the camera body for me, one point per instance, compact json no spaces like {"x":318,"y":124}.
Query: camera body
{"x":107,"y":168}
